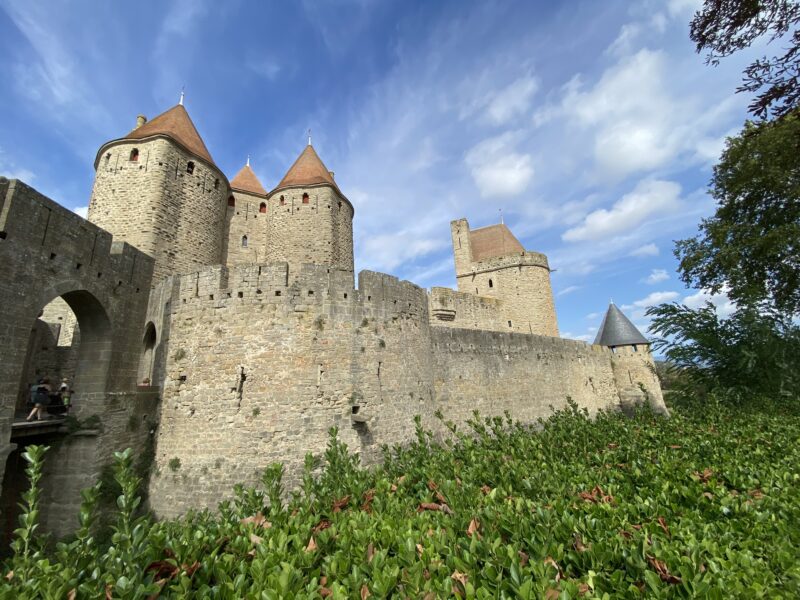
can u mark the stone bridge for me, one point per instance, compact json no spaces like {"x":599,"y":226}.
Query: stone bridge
{"x":49,"y":252}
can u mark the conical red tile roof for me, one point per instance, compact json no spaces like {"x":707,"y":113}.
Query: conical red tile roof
{"x":246,"y":181}
{"x":308,"y":169}
{"x":177,"y":124}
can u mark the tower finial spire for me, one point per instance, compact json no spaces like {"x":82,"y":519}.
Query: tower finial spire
{"x":309,"y":136}
{"x":182,"y":94}
{"x":501,"y":215}
{"x":248,"y":160}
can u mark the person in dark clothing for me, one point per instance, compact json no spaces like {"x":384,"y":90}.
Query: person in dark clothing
{"x":40,"y":400}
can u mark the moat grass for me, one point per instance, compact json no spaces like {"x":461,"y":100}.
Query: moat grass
{"x":704,"y":504}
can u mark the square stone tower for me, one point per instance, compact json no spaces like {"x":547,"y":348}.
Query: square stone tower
{"x":491,"y":262}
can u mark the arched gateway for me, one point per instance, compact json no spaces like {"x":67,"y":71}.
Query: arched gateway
{"x":48,"y":252}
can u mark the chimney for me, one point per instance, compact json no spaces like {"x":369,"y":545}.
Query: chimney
{"x":331,"y":174}
{"x":140,"y":120}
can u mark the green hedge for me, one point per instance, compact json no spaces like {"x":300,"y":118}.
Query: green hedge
{"x":704,"y":504}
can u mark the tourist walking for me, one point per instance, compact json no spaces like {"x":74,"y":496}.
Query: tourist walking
{"x":66,"y":395}
{"x":40,"y":400}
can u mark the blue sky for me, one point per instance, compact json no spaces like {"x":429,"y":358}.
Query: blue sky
{"x":592,"y":125}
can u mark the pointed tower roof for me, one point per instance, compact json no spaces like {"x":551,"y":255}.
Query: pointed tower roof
{"x":617,"y":330}
{"x":176,"y":124}
{"x":246,"y":181}
{"x":307,"y":170}
{"x":492,"y":241}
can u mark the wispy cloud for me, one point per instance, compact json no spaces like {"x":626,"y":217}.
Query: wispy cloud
{"x":646,"y":250}
{"x":649,"y":198}
{"x":656,"y":276}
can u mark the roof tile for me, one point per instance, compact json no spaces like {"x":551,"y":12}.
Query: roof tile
{"x":246,"y":181}
{"x":176,"y":124}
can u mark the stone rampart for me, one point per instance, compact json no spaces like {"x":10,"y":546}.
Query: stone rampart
{"x":524,"y":374}
{"x":258,"y":369}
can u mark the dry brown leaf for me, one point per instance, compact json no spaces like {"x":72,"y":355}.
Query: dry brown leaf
{"x":419,"y":549}
{"x":323,"y":580}
{"x":440,"y":497}
{"x":70,"y":594}
{"x":613,"y":446}
{"x":364,"y":592}
{"x":549,"y":561}
{"x":675,"y":446}
{"x":626,"y":534}
{"x":370,"y":552}
{"x":637,"y":527}
{"x":446,"y":509}
{"x":9,"y":575}
{"x":486,"y":490}
{"x":255,"y":539}
{"x":393,"y":488}
{"x":109,"y":595}
{"x":578,"y":544}
{"x":258,"y":520}
{"x":325,"y":592}
{"x":312,"y":545}
{"x":708,"y":495}
{"x":583,"y":588}
{"x":190,"y":569}
{"x":705,"y":475}
{"x":428,"y":506}
{"x":474,"y":525}
{"x":756,"y":494}
{"x":460,"y":578}
{"x":660,"y":567}
{"x":339,"y":504}
{"x":321,"y":526}
{"x":663,"y":524}
{"x":552,"y":594}
{"x":523,"y":558}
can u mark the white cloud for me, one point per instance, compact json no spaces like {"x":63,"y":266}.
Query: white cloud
{"x":268,"y":68}
{"x":497,"y":168}
{"x":646,"y":250}
{"x":649,"y":198}
{"x":657,"y":275}
{"x":651,"y":300}
{"x":721,"y":302}
{"x":512,"y":100}
{"x":568,"y":290}
{"x":683,"y":8}
{"x":387,"y":251}
{"x":81,"y":210}
{"x":593,"y":316}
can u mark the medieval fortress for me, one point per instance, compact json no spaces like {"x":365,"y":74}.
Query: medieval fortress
{"x":218,"y":327}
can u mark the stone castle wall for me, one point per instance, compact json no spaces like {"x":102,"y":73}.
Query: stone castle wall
{"x":154,"y":204}
{"x":260,"y":364}
{"x":526,"y":375}
{"x":257,"y":371}
{"x":319,"y":232}
{"x":449,"y":308}
{"x":635,"y":376}
{"x":244,"y":219}
{"x":46,"y":252}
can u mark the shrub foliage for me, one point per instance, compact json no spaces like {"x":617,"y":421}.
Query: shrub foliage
{"x":705,"y":505}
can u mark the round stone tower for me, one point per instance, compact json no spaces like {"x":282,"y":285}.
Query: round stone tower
{"x":309,"y":220}
{"x":158,"y":189}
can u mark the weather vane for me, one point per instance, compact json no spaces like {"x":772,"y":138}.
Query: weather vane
{"x":309,"y":136}
{"x":182,"y":93}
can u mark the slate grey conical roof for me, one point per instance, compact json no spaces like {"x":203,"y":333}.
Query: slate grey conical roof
{"x":617,"y":330}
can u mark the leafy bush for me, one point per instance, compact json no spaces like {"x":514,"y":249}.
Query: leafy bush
{"x":705,"y":505}
{"x":751,"y":352}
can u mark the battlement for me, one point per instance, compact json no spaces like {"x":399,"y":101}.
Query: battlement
{"x":69,"y":241}
{"x":524,"y":259}
{"x":313,"y":285}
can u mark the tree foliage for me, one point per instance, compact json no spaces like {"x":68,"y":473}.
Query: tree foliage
{"x":747,"y":354}
{"x":750,"y":247}
{"x":723,"y":27}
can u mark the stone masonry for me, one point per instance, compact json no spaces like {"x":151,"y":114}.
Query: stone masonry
{"x":225,"y":355}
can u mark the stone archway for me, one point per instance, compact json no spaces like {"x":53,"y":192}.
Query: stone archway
{"x":67,"y":469}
